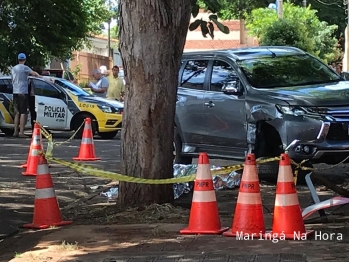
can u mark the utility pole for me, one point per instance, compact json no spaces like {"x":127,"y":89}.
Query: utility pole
{"x":346,"y":49}
{"x":280,"y":8}
{"x":109,"y":22}
{"x":347,"y":12}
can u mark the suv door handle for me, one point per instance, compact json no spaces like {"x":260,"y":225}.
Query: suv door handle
{"x":41,"y":103}
{"x":210,"y":104}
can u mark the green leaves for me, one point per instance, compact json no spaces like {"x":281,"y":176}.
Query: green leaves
{"x":213,"y":17}
{"x":232,"y":9}
{"x":211,"y":29}
{"x":220,"y":26}
{"x":207,"y":27}
{"x":42,"y":34}
{"x":204,"y":28}
{"x":300,"y":28}
{"x":195,"y":8}
{"x":195,"y":24}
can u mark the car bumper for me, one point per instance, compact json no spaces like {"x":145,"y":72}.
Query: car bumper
{"x":320,"y":140}
{"x":111,"y":122}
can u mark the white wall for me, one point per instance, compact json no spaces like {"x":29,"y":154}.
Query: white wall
{"x":117,"y":58}
{"x":98,"y":47}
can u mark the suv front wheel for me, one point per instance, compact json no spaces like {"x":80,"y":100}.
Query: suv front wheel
{"x":178,"y":158}
{"x":269,"y":171}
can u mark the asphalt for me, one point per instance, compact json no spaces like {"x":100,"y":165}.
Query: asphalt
{"x":17,"y":191}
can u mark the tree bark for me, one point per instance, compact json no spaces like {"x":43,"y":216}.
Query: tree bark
{"x":152,"y":37}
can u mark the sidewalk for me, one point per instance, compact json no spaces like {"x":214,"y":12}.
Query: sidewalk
{"x":161,"y":242}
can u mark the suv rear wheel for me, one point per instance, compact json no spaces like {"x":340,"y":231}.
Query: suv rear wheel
{"x":178,"y":158}
{"x":79,"y":120}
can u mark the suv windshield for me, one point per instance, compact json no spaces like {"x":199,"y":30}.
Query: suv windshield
{"x":284,"y":71}
{"x":75,"y":90}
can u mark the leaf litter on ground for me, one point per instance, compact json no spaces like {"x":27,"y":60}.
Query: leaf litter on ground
{"x":111,"y":214}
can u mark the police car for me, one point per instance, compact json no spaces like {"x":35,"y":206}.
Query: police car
{"x":61,"y":105}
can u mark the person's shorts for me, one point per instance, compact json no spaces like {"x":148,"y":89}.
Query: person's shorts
{"x":20,"y":103}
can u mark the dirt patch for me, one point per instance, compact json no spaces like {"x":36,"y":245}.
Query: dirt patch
{"x":99,"y":243}
{"x":74,"y":241}
{"x":110,"y":214}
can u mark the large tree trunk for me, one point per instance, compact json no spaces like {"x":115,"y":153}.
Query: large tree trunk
{"x":152,"y":37}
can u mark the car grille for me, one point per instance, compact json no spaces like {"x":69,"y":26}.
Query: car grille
{"x":338,"y":131}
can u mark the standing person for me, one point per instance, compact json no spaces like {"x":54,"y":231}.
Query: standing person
{"x":31,"y":97}
{"x":19,"y":75}
{"x":116,"y":88}
{"x":100,"y":87}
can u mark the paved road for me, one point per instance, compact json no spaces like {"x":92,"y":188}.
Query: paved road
{"x":17,"y":191}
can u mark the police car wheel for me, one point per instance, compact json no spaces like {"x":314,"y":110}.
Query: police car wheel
{"x":8,"y":131}
{"x":108,"y":135}
{"x":78,"y":122}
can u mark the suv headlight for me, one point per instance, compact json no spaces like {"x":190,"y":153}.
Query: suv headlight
{"x":105,"y":109}
{"x":291,"y":110}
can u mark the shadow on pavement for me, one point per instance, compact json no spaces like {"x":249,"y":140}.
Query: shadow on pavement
{"x":17,"y":191}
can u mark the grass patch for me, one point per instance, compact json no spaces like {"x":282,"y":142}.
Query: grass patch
{"x":68,"y":246}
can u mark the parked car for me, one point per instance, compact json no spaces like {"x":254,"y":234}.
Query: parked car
{"x":63,"y":106}
{"x":260,"y":100}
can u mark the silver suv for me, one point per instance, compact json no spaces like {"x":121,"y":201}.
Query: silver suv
{"x":260,"y":100}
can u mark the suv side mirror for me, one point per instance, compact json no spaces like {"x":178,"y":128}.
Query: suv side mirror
{"x":232,"y":87}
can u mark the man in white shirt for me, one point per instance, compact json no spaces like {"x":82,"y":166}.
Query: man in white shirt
{"x":100,"y":87}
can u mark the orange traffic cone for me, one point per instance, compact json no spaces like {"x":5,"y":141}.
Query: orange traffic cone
{"x":46,"y":209}
{"x":248,"y":217}
{"x":87,"y":148}
{"x":34,"y":152}
{"x":287,"y":219}
{"x":204,"y":216}
{"x":25,"y":165}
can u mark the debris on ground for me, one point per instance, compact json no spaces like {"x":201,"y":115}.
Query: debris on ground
{"x":111,"y":194}
{"x":226,"y":181}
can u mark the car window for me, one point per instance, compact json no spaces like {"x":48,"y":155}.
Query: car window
{"x":72,"y":88}
{"x":43,"y":88}
{"x":194,"y":72}
{"x":6,"y":86}
{"x":222,"y":74}
{"x":287,"y":71}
